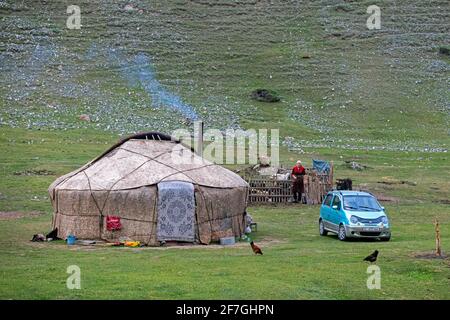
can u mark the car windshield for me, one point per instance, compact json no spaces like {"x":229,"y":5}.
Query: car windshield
{"x":361,"y":203}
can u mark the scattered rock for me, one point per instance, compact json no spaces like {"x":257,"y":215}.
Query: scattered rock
{"x":264,"y":161}
{"x":336,"y":34}
{"x":292,"y":145}
{"x":85,"y":117}
{"x":344,"y":8}
{"x":265,"y":95}
{"x":355,"y":165}
{"x":445,"y":51}
{"x":129,"y":8}
{"x":306,"y":56}
{"x":268,"y":171}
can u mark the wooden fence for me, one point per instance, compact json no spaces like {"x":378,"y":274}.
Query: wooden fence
{"x":270,"y":190}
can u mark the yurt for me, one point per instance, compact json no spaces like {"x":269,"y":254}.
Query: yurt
{"x":146,"y":189}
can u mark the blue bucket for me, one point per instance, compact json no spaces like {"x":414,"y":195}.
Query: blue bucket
{"x":71,"y":240}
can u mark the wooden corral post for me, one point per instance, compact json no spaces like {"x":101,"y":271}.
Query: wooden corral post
{"x":438,"y":238}
{"x":331,"y":175}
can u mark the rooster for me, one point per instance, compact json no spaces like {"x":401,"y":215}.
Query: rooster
{"x":255,"y":248}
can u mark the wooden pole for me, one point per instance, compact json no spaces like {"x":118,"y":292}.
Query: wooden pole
{"x":331,"y":175}
{"x":438,"y":238}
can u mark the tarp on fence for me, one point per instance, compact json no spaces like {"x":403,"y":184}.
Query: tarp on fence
{"x":321,"y":166}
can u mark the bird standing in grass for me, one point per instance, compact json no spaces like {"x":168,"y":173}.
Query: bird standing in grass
{"x":255,"y":248}
{"x":373,"y":257}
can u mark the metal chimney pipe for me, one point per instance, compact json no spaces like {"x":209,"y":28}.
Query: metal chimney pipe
{"x":198,"y":138}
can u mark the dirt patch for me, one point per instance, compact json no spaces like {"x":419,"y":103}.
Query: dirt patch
{"x":9,"y":215}
{"x":263,"y":243}
{"x":393,"y":181}
{"x":429,"y":255}
{"x":32,"y":172}
{"x":384,"y":198}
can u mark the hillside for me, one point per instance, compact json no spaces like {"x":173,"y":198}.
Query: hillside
{"x":139,"y":65}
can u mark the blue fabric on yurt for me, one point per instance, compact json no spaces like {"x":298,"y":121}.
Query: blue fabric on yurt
{"x":176,"y":211}
{"x":321,"y":165}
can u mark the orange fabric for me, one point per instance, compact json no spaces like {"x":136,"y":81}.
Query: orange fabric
{"x":132,"y":243}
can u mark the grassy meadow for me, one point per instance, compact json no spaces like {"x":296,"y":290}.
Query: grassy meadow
{"x":347,"y":93}
{"x":297,"y":262}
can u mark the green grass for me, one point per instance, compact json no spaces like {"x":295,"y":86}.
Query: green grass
{"x":358,"y":88}
{"x":297,"y":262}
{"x":302,"y":265}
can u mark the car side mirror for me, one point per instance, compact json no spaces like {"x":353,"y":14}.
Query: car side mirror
{"x":335,"y":207}
{"x":382,"y":208}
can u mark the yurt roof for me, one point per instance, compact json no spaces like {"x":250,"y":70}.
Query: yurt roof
{"x":143,"y":160}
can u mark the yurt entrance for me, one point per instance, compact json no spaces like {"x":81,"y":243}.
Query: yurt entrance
{"x":176,"y":211}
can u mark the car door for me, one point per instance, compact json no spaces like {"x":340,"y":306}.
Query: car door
{"x":326,"y":208}
{"x":334,"y":218}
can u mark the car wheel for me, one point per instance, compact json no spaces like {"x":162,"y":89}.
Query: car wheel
{"x":385,"y":239}
{"x":322,"y":230}
{"x":341,"y":234}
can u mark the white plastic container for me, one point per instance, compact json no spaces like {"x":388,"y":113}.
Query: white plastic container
{"x":227,"y":241}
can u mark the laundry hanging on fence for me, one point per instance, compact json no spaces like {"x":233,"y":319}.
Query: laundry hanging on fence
{"x":176,"y":211}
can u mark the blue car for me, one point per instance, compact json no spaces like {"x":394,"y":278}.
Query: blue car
{"x":353,"y":214}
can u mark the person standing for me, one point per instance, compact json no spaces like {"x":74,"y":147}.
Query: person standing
{"x":298,"y":171}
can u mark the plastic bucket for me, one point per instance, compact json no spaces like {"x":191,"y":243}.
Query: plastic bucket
{"x":71,"y":240}
{"x":227,"y":241}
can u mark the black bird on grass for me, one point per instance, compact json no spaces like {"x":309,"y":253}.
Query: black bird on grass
{"x":372,"y":258}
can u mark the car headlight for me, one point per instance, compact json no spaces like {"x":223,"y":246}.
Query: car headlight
{"x":384,"y":220}
{"x":354,"y":219}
